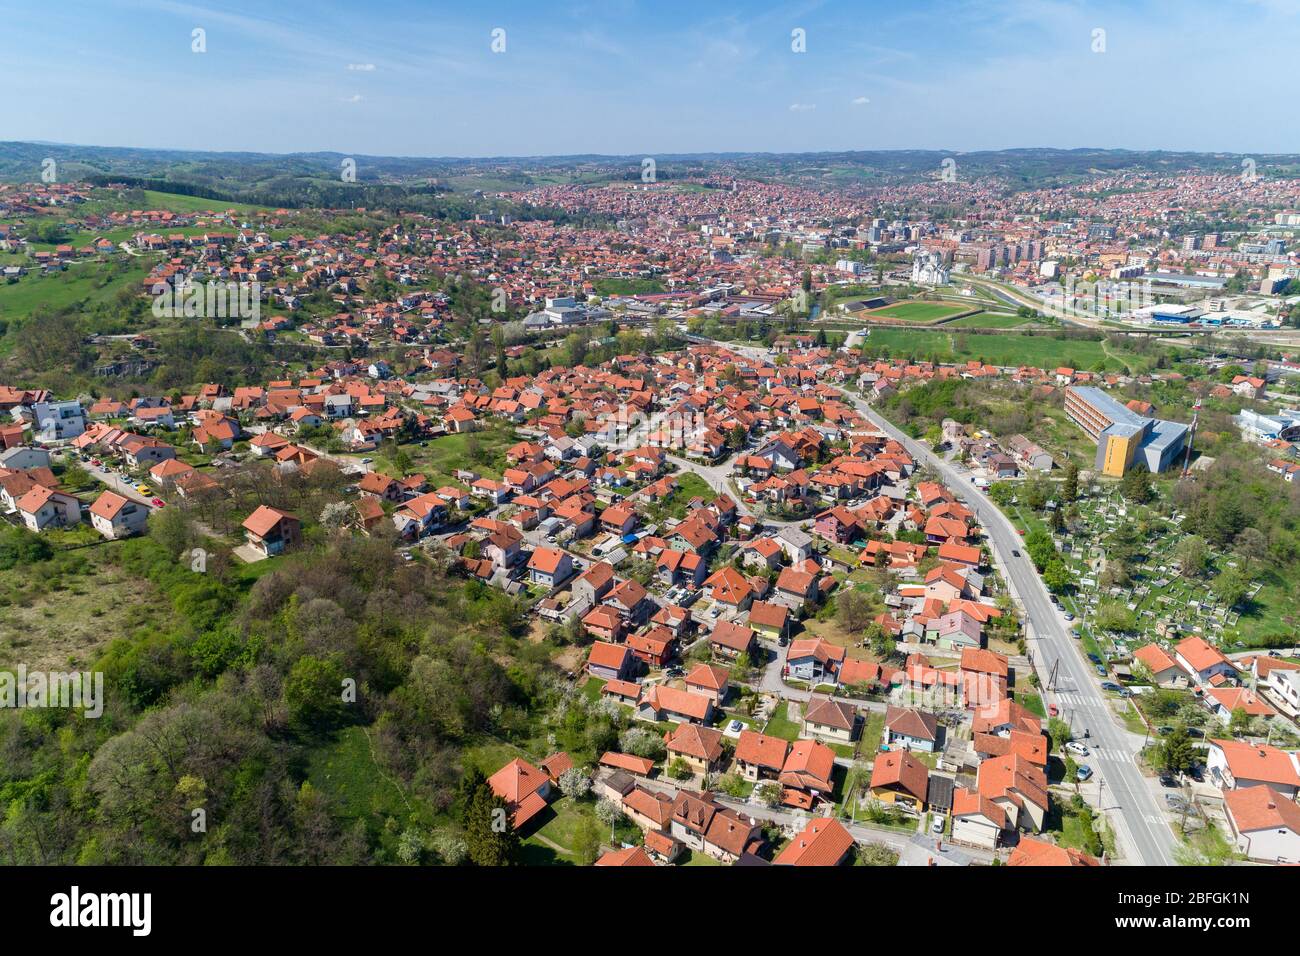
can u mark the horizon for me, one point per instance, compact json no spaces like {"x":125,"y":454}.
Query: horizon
{"x":637,"y":79}
{"x":699,"y":154}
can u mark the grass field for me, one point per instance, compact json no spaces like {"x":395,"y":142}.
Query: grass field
{"x":612,"y":286}
{"x":442,"y":457}
{"x":988,"y":320}
{"x":84,"y":284}
{"x":1011,"y":348}
{"x":65,"y":611}
{"x":923,"y":312}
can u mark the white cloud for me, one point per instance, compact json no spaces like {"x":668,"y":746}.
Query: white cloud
{"x":802,"y":107}
{"x":860,"y":101}
{"x":354,"y":98}
{"x":361,"y":67}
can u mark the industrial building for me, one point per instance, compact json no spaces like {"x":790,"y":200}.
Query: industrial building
{"x":1124,"y":438}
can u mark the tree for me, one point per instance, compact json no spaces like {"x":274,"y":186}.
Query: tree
{"x":1231,"y":586}
{"x":880,"y":641}
{"x":854,"y":610}
{"x":1136,"y":486}
{"x":1070,"y":485}
{"x":1175,"y":753}
{"x":1192,"y":555}
{"x":574,"y":783}
{"x":586,"y":841}
{"x":609,"y":813}
{"x":1116,"y":617}
{"x":1057,"y":576}
{"x":1036,"y":493}
{"x":1041,"y":548}
{"x":1059,"y":731}
{"x":1239,"y":722}
{"x":334,"y":517}
{"x":313,"y":693}
{"x":1251,"y":546}
{"x":490,"y":836}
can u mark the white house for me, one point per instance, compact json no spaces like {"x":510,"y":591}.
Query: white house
{"x":43,"y":508}
{"x":116,"y":517}
{"x":1265,"y":824}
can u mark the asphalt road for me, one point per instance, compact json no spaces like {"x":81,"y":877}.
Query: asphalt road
{"x":1126,"y":795}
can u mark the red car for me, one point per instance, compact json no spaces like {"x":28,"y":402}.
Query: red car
{"x":1052,"y":711}
{"x":158,"y":503}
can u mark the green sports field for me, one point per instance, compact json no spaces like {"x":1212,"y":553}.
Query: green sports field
{"x":989,"y":320}
{"x":921,"y":312}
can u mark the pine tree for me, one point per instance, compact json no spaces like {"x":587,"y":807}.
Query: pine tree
{"x":1070,"y":487}
{"x":489,"y":833}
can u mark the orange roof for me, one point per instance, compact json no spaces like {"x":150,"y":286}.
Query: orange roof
{"x":262,"y":521}
{"x":1154,"y":657}
{"x":604,"y":654}
{"x":760,"y":749}
{"x":1262,"y":808}
{"x":708,"y":676}
{"x":1259,"y":762}
{"x":107,"y":505}
{"x":1033,"y":852}
{"x":824,"y":842}
{"x":1199,"y":654}
{"x":632,"y":856}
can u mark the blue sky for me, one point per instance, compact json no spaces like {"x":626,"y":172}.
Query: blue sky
{"x":642,"y":77}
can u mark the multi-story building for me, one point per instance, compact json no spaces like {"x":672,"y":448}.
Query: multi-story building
{"x":1123,"y":436}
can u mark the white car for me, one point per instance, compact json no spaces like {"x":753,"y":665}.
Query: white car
{"x":1076,"y":748}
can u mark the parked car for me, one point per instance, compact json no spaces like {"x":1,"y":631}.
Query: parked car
{"x":1167,"y":780}
{"x":1094,"y":658}
{"x":1076,"y":748}
{"x":1101,"y":670}
{"x":1015,"y":553}
{"x":1083,"y":773}
{"x":1052,"y":710}
{"x":1069,"y":616}
{"x":937,"y":825}
{"x":1111,"y":686}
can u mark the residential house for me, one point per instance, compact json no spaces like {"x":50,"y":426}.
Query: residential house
{"x":911,"y":729}
{"x":523,"y":787}
{"x":900,"y":779}
{"x":1265,"y":824}
{"x":114,"y":516}
{"x":700,"y":748}
{"x":609,"y":661}
{"x":823,"y":842}
{"x":272,"y":531}
{"x":759,"y":756}
{"x":827,"y":718}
